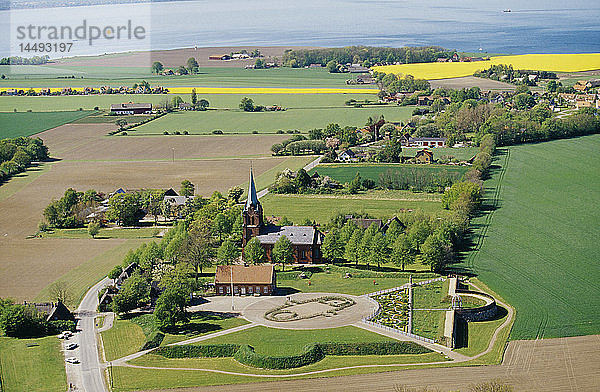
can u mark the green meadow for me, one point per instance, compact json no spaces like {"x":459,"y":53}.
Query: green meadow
{"x":31,"y":123}
{"x":537,"y":245}
{"x":347,"y":171}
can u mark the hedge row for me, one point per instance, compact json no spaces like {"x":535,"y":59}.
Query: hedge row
{"x":372,"y":348}
{"x":153,"y":341}
{"x":312,"y":353}
{"x":199,"y":351}
{"x":246,"y":355}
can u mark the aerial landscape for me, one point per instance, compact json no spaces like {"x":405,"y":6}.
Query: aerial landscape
{"x":317,"y":196}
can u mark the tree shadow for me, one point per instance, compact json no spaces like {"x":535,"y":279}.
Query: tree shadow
{"x":285,"y":291}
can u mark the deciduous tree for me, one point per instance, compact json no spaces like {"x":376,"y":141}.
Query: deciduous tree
{"x":283,"y":252}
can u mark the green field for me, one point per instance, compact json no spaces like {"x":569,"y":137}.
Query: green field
{"x":106,"y":233}
{"x":27,"y":124}
{"x":345,"y":172}
{"x":537,"y":246}
{"x":301,"y":118}
{"x":462,"y":153}
{"x":321,"y":208}
{"x":80,"y":279}
{"x":35,"y":365}
{"x":275,"y":341}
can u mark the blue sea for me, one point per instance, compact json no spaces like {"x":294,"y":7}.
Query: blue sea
{"x":531,"y":27}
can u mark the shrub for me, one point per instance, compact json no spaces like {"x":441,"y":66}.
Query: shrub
{"x":29,"y":110}
{"x":123,"y":133}
{"x":186,"y":133}
{"x":246,"y":355}
{"x":372,"y":348}
{"x":153,"y":341}
{"x":280,"y":132}
{"x":254,"y":132}
{"x":80,"y":109}
{"x":217,"y":132}
{"x":176,"y":133}
{"x":198,"y":351}
{"x":57,"y":326}
{"x":96,"y":108}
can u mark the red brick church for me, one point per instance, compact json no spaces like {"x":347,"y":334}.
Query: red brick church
{"x":306,"y":240}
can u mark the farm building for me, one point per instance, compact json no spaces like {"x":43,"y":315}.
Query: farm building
{"x":52,"y":311}
{"x":247,"y":279}
{"x":219,"y":57}
{"x":424,"y":156}
{"x":131,"y":108}
{"x":306,"y":240}
{"x":427,"y":142}
{"x":347,"y":156}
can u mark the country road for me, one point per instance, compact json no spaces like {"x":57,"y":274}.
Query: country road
{"x":91,"y":371}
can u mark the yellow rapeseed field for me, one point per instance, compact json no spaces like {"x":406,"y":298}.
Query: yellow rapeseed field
{"x":242,"y":90}
{"x":539,"y":62}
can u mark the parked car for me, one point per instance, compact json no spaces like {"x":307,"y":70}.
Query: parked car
{"x":71,"y":346}
{"x":72,"y":360}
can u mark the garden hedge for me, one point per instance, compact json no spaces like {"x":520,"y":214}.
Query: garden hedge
{"x":311,"y":354}
{"x":153,"y":341}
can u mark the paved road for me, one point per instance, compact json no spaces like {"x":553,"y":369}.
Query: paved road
{"x":91,"y":370}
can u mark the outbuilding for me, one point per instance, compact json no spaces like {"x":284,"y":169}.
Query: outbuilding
{"x":247,"y":279}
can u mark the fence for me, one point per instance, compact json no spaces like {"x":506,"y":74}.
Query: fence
{"x":375,"y":313}
{"x":398,"y":331}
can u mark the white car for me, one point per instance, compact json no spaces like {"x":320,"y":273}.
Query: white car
{"x":71,"y":346}
{"x":72,"y":360}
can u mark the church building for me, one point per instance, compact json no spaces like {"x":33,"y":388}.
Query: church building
{"x":306,"y":240}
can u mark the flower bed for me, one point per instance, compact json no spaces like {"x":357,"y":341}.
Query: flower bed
{"x":394,"y":309}
{"x":323,"y":306}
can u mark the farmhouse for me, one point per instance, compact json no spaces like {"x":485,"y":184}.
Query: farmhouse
{"x":424,"y":156}
{"x":427,"y":142}
{"x":252,"y":280}
{"x":131,"y":108}
{"x":53,"y":311}
{"x":306,"y":240}
{"x":347,"y":156}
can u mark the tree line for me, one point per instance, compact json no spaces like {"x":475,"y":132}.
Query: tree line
{"x":17,"y":154}
{"x":364,"y":55}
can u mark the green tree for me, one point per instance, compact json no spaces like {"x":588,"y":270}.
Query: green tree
{"x":364,"y":248}
{"x":418,"y":233}
{"x":134,"y":292}
{"x":355,"y":184}
{"x":260,"y":64}
{"x":121,"y":123}
{"x":115,"y":272}
{"x":402,"y":251}
{"x":347,"y":230}
{"x":333,"y":247}
{"x":203,"y":104}
{"x":20,"y":321}
{"x":93,"y":229}
{"x":352,"y":247}
{"x":157,"y":67}
{"x":433,"y":253}
{"x":254,"y":253}
{"x":471,"y":190}
{"x":247,"y":104}
{"x":150,"y":255}
{"x":378,"y":250}
{"x":235,"y":193}
{"x":393,"y":231}
{"x":221,"y":225}
{"x":228,"y":252}
{"x":194,"y":97}
{"x":124,"y":208}
{"x":332,"y":66}
{"x":524,"y":101}
{"x":192,"y":65}
{"x":197,"y":249}
{"x":283,"y":252}
{"x":171,"y":306}
{"x":187,"y":188}
{"x":176,"y":100}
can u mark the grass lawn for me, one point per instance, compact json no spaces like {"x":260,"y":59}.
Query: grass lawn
{"x":27,"y":124}
{"x":275,"y":341}
{"x":36,"y":368}
{"x":106,"y":233}
{"x":322,"y":208}
{"x":462,"y":153}
{"x":203,"y":325}
{"x":80,"y":279}
{"x":301,"y":118}
{"x":347,"y":171}
{"x":538,"y":245}
{"x":431,"y":296}
{"x":122,"y":339}
{"x":333,"y":283}
{"x":428,"y":323}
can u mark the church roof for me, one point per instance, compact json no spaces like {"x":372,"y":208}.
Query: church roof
{"x":298,"y":235}
{"x":252,"y":197}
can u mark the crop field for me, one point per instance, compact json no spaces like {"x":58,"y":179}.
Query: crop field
{"x":321,"y":208}
{"x":220,"y":101}
{"x":27,"y":124}
{"x":541,"y":62}
{"x":538,"y":247}
{"x":237,"y":121}
{"x":346,"y":172}
{"x":35,"y":365}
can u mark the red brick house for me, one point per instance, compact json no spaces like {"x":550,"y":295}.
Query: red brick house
{"x":247,"y":280}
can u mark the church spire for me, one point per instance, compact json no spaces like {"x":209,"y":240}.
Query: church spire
{"x":252,"y":197}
